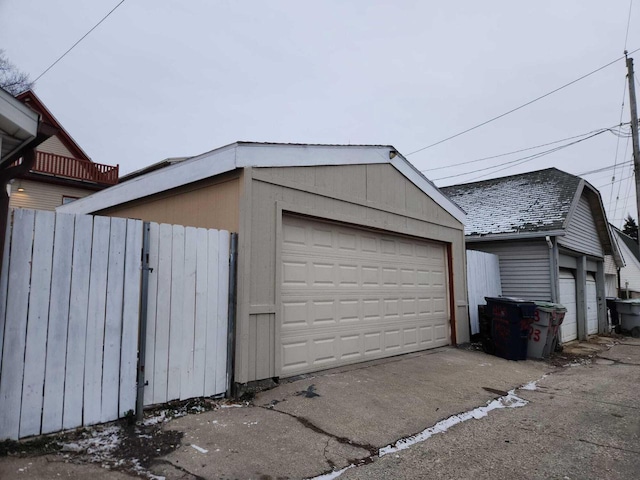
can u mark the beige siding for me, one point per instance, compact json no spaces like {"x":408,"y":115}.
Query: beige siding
{"x":374,"y":196}
{"x":42,"y":195}
{"x":208,"y":204}
{"x":55,"y":146}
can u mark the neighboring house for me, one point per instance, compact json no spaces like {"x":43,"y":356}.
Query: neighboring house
{"x":629,"y":280}
{"x":550,"y":231}
{"x":346,"y":253}
{"x":63,"y":172}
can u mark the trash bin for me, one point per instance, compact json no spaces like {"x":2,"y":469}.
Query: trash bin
{"x":547,"y":319}
{"x":613,"y":311}
{"x":556,"y":321}
{"x":510,"y":321}
{"x":484,"y":321}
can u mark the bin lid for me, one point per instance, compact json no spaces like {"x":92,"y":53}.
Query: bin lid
{"x":550,"y":306}
{"x":512,"y":300}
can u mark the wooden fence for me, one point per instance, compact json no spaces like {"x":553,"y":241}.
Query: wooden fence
{"x":70,"y":291}
{"x":483,"y":280}
{"x":69,"y":319}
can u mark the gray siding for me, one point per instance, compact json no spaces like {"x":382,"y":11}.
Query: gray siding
{"x":524,"y":267}
{"x":582,"y":235}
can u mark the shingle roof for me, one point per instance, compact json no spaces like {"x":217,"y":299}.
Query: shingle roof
{"x":530,"y":202}
{"x":629,"y":242}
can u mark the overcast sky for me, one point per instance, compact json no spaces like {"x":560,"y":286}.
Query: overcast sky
{"x":163,"y":78}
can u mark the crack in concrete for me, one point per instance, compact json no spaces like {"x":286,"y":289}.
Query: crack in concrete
{"x":331,"y":463}
{"x":608,"y":446}
{"x":567,"y":437}
{"x":556,"y":392}
{"x":313,"y":427}
{"x":618,"y":362}
{"x":179,"y":467}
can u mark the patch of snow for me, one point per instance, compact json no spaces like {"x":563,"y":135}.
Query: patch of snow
{"x":200,"y":449}
{"x":332,"y":475}
{"x":233,"y":405}
{"x":99,"y":445}
{"x":162,"y":417}
{"x":508,"y":401}
{"x":532,"y":385}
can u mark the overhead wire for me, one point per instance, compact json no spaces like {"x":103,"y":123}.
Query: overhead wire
{"x":80,"y":40}
{"x":515,"y":151}
{"x":615,"y":158}
{"x":497,"y":117}
{"x":519,"y":161}
{"x":626,"y":35}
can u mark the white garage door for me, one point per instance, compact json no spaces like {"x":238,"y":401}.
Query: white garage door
{"x":569,"y":328}
{"x":592,"y":305}
{"x":350,"y":295}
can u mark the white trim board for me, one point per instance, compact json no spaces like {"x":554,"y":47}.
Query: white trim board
{"x":240,"y":155}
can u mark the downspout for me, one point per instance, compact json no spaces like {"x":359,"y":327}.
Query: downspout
{"x":553,"y":267}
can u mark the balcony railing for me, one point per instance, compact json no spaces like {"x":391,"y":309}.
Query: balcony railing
{"x":73,"y":168}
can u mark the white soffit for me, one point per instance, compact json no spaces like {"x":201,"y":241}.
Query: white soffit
{"x":18,"y":123}
{"x":240,"y":155}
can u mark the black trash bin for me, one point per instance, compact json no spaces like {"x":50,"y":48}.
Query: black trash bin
{"x":510,"y":322}
{"x":613,"y":310}
{"x":485,"y":329}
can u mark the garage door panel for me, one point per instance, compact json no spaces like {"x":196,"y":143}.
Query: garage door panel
{"x":364,"y":295}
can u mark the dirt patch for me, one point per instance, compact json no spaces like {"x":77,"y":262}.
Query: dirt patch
{"x":120,"y":445}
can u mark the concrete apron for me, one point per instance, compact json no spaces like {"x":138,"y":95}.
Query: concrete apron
{"x":339,"y":417}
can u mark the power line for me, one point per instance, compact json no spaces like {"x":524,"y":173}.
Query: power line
{"x":75,"y":44}
{"x":521,"y":106}
{"x":604,"y":169}
{"x":511,"y":153}
{"x":615,"y":158}
{"x":626,"y":36}
{"x":518,"y":161}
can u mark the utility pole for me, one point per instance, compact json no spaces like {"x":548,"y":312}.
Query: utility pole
{"x":634,"y":131}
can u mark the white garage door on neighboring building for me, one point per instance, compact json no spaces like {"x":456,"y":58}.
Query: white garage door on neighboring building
{"x":592,"y":305}
{"x":351,"y":294}
{"x":569,"y":328}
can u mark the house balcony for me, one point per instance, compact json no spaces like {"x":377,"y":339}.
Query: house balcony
{"x":72,"y":168}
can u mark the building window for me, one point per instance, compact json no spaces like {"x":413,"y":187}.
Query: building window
{"x":68,"y":199}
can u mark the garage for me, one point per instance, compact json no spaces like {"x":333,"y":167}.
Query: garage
{"x":346,"y":253}
{"x":351,"y":294}
{"x":592,"y":305}
{"x":569,"y":328}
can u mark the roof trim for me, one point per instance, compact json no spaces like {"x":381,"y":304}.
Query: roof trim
{"x":490,"y":237}
{"x":19,"y":123}
{"x":246,"y":154}
{"x":28,"y":97}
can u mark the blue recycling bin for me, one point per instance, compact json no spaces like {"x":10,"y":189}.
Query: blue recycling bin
{"x":510,"y":322}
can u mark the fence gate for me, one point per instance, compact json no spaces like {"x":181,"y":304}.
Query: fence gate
{"x":69,"y":319}
{"x":69,"y":302}
{"x":187,"y":313}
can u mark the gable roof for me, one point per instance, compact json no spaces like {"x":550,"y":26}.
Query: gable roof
{"x":531,"y":202}
{"x":30,"y":99}
{"x":251,"y":154}
{"x":629,"y":242}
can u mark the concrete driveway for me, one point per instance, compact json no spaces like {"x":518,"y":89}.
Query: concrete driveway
{"x":571,"y":422}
